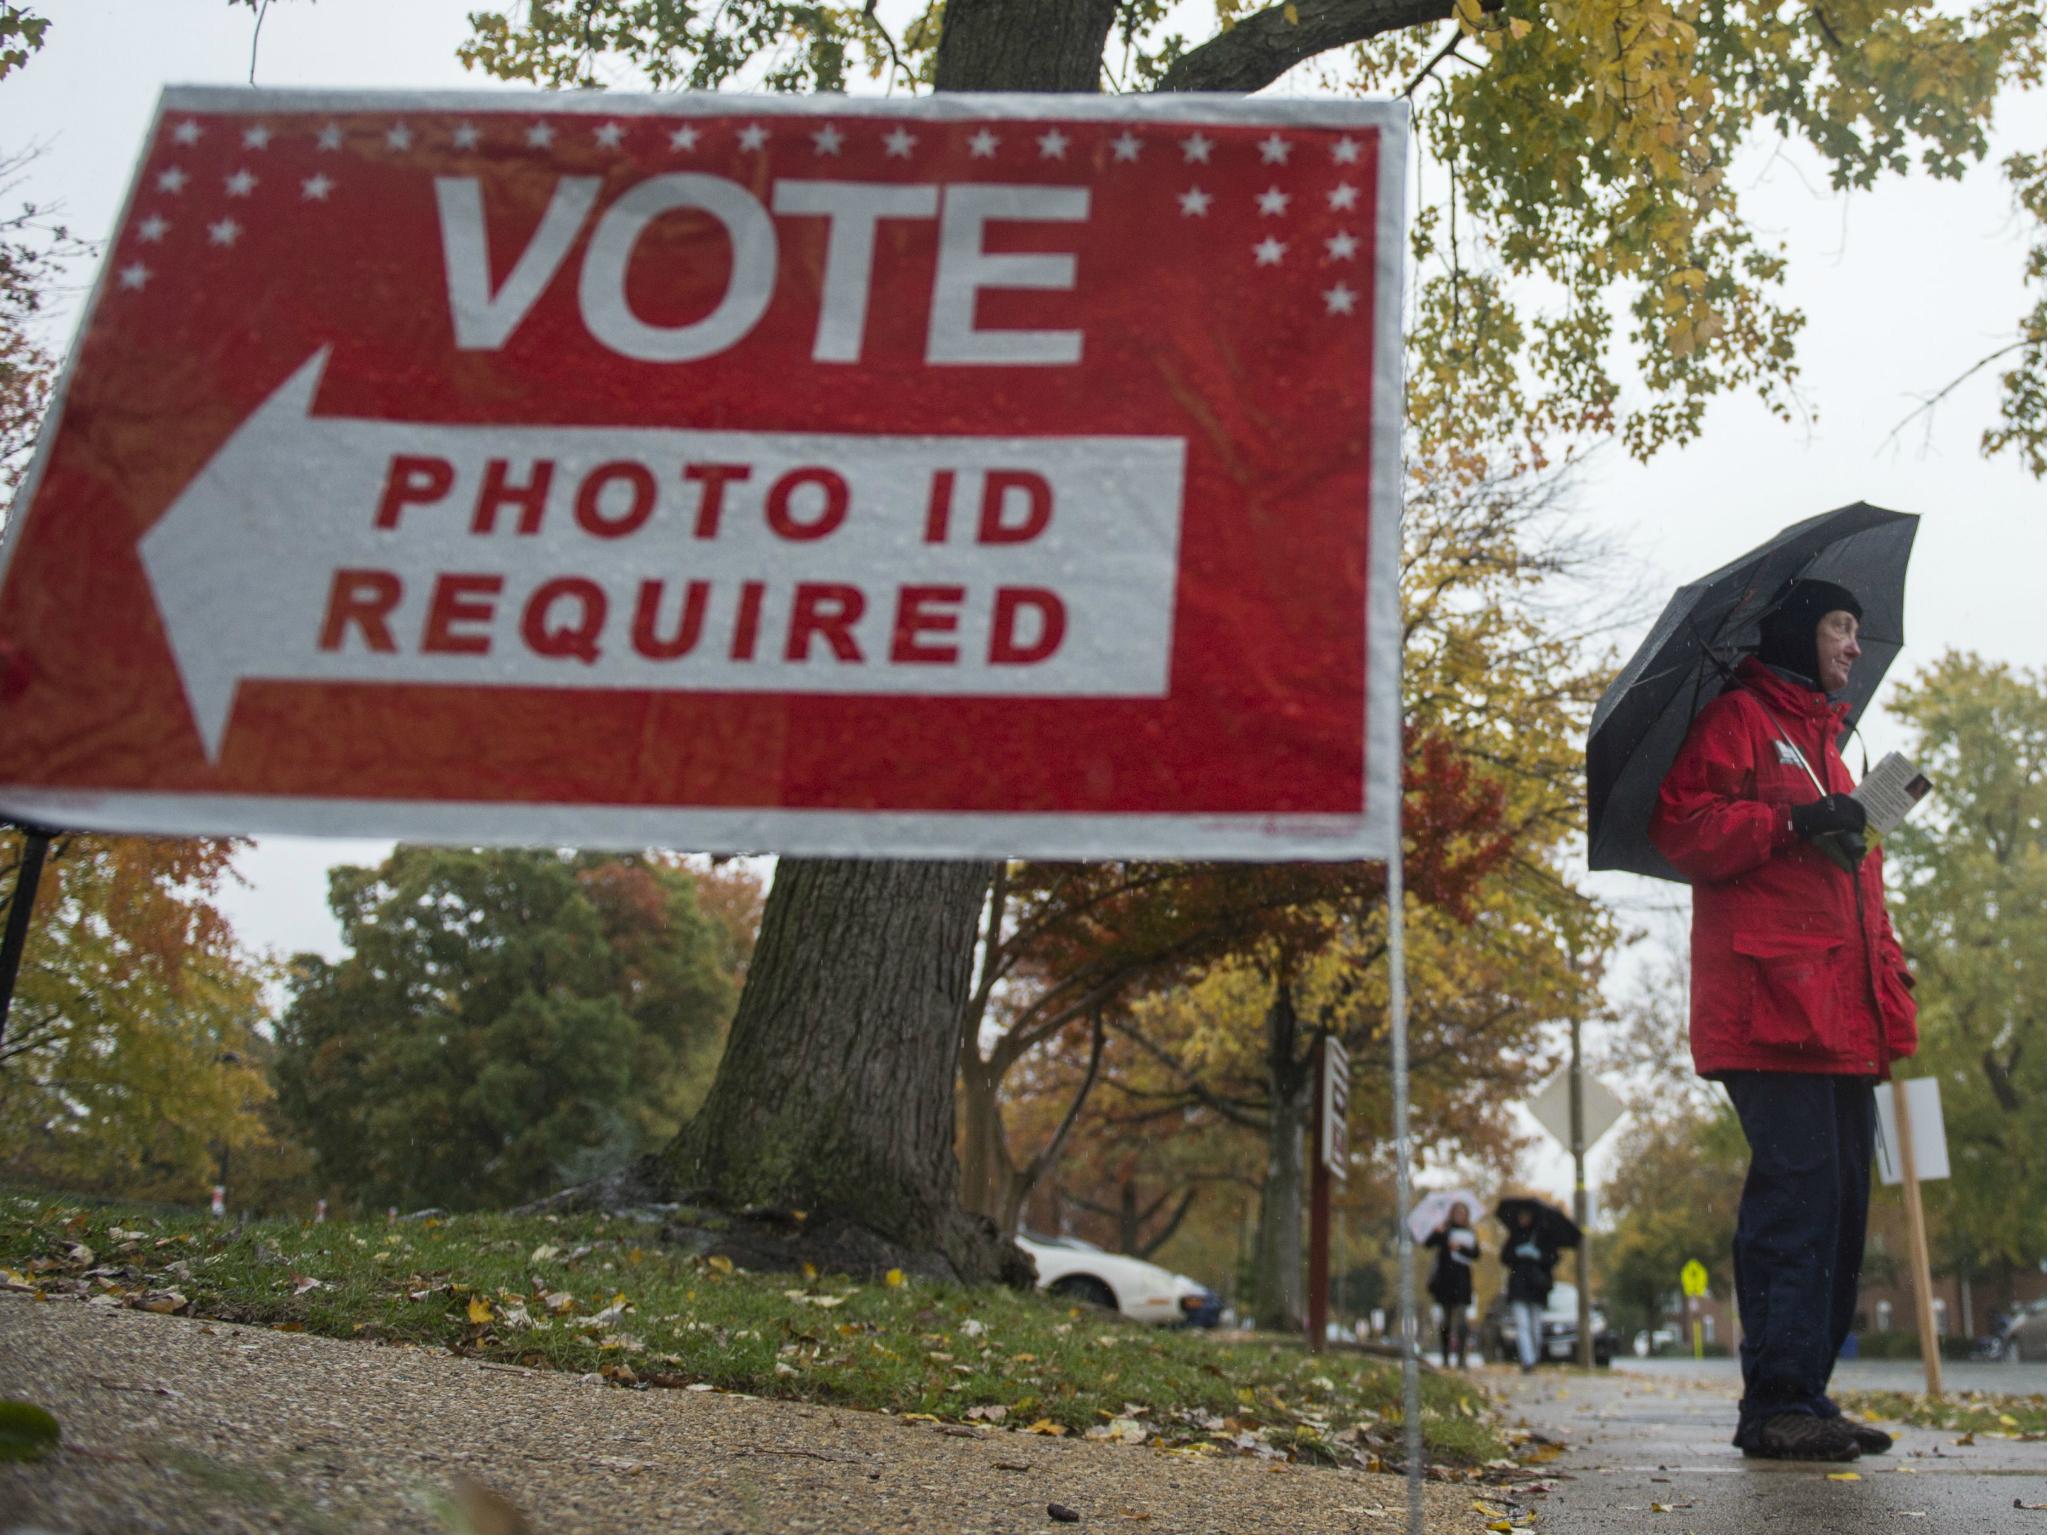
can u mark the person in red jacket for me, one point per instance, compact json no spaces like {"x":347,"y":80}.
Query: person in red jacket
{"x":1801,"y":1001}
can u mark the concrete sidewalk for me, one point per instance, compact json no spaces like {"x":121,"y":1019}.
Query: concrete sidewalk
{"x":1636,"y":1441}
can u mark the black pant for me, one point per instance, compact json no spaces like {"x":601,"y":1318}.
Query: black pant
{"x":1799,"y":1235}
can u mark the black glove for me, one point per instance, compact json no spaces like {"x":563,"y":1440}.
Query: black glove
{"x":1834,"y":813}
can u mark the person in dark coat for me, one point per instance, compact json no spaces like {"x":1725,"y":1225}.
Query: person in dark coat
{"x":1530,"y":1258}
{"x":1450,"y":1283}
{"x":1801,"y":1002}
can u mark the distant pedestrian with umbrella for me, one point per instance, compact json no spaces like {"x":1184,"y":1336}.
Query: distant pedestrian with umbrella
{"x":1801,"y":998}
{"x":1450,"y":1282}
{"x":1536,"y":1233}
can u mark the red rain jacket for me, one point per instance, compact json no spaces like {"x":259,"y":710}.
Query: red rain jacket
{"x":1794,"y":964}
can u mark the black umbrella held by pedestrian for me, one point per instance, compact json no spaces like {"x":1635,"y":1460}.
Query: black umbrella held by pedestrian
{"x":1554,"y":1229}
{"x":1642,"y":719}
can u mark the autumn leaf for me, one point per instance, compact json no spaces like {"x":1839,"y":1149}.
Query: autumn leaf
{"x":479,"y":1310}
{"x":27,"y":1432}
{"x":719,"y":1264}
{"x":1045,"y":1427}
{"x":893,"y":1279}
{"x":1845,"y":1477}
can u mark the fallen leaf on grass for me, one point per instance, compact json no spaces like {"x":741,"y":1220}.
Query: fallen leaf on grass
{"x":479,"y":1310}
{"x":27,"y":1432}
{"x":304,"y":1283}
{"x":480,"y":1509}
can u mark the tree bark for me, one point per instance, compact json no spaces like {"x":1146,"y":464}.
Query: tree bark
{"x":1266,"y":44}
{"x":835,"y":1094}
{"x":1277,"y":1275}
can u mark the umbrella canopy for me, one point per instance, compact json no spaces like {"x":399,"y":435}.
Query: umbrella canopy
{"x":1642,"y":719}
{"x":1552,"y":1225}
{"x":1434,"y":1208}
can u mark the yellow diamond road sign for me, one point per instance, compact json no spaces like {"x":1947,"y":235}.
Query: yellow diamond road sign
{"x":1693,"y":1278}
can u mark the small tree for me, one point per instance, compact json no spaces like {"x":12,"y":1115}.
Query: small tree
{"x":503,"y":1023}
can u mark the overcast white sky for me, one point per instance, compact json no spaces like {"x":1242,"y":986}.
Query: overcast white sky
{"x":1904,"y":288}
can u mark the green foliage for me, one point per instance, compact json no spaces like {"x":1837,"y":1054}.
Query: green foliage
{"x":22,"y":33}
{"x":681,"y":45}
{"x":1584,"y":147}
{"x":505,"y":1022}
{"x":28,"y":1432}
{"x":2023,"y":388}
{"x":1672,"y":1198}
{"x":584,"y":1293}
{"x":134,"y":1058}
{"x":1971,"y":881}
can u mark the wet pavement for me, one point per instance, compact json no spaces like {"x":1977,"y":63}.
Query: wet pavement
{"x":1647,"y":1450}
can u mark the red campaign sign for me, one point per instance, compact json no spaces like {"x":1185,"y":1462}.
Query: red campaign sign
{"x":966,"y":475}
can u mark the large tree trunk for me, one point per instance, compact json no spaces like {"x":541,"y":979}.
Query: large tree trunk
{"x":835,"y":1094}
{"x":1278,"y":1299}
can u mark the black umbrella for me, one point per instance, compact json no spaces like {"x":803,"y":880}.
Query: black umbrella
{"x":1642,"y":718}
{"x":1554,"y":1229}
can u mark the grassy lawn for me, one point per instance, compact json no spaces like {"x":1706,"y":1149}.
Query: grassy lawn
{"x":1973,"y":1413}
{"x":587,"y":1293}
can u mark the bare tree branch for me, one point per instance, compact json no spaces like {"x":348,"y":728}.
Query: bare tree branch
{"x":1265,"y":45}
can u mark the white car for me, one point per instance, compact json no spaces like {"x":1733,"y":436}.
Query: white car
{"x":1068,"y":1266}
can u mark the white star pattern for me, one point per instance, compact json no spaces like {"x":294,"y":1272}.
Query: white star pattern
{"x":152,"y":229}
{"x":983,"y":145}
{"x":330,"y":136}
{"x":241,"y":184}
{"x":186,"y":132}
{"x":1195,"y":148}
{"x":610,"y":135}
{"x":1344,"y":195}
{"x":226,"y":232}
{"x":1269,"y":251}
{"x":171,"y":180}
{"x":540,"y":135}
{"x":1273,"y":202}
{"x":1194,"y":203}
{"x":1126,"y":145}
{"x":466,"y":136}
{"x":826,"y":140}
{"x":1345,"y":151}
{"x":1339,"y":300}
{"x":899,"y":143}
{"x":257,"y":137}
{"x":1342,"y":246}
{"x":1274,"y":150}
{"x":684,"y":137}
{"x":753,"y":136}
{"x":399,"y":137}
{"x":315,"y":188}
{"x":134,"y":275}
{"x":1052,"y":145}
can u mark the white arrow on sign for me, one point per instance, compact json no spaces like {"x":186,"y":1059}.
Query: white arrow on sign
{"x":326,"y":549}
